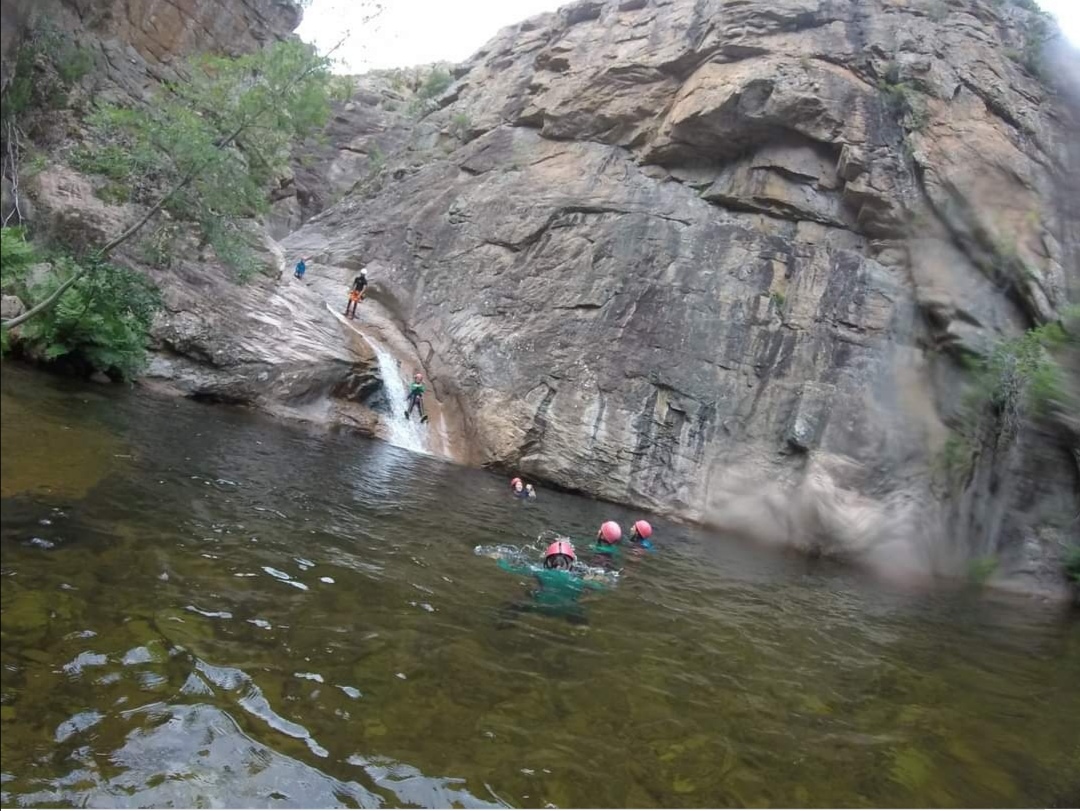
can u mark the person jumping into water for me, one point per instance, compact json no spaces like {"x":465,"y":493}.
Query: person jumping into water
{"x":356,"y":294}
{"x":416,"y":398}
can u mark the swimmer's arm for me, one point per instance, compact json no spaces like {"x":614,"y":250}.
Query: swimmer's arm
{"x":509,"y":567}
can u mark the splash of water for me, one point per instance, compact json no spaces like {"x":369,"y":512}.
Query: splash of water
{"x":405,"y":433}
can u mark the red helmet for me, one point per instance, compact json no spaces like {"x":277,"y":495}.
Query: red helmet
{"x":514,"y":482}
{"x":560,"y":548}
{"x":610,"y":532}
{"x":643,"y":528}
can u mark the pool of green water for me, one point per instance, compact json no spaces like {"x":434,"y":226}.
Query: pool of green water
{"x":203,"y":608}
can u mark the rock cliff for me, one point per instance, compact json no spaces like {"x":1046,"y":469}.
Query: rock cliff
{"x":664,"y":247}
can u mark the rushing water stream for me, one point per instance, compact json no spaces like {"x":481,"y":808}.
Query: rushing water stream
{"x":202,"y":607}
{"x":404,"y":432}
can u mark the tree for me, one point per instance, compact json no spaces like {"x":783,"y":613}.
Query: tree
{"x":205,"y":148}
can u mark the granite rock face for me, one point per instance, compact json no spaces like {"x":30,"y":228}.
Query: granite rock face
{"x":658,"y":242}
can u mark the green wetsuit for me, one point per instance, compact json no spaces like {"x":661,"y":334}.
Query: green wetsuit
{"x":607,"y":554}
{"x":416,"y":399}
{"x":557,"y":587}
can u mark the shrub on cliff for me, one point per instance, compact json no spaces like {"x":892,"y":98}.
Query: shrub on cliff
{"x":435,"y":83}
{"x":1035,"y":375}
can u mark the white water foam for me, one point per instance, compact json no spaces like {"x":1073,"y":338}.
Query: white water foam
{"x":405,"y":433}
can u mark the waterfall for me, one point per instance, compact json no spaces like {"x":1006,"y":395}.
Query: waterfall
{"x":405,"y":433}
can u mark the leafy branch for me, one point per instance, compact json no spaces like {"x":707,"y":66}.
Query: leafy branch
{"x":188,"y":140}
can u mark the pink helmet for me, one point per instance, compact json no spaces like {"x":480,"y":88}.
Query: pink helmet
{"x":644,"y":528}
{"x":610,"y":532}
{"x":560,"y":548}
{"x":514,"y":482}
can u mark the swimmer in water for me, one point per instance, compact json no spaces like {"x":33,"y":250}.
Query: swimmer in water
{"x":517,"y":486}
{"x":607,"y":553}
{"x":641,"y":533}
{"x":558,"y":587}
{"x":530,"y":491}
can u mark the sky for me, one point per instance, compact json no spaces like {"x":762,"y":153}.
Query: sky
{"x":415,"y":32}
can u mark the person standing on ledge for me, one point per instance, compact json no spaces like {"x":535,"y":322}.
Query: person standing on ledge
{"x":356,"y":294}
{"x":301,"y":269}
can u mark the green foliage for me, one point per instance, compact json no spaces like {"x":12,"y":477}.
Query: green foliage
{"x":1020,"y":377}
{"x":460,"y":125}
{"x":342,"y":88}
{"x":103,"y":319}
{"x":778,"y":298}
{"x":904,"y":101}
{"x":108,"y":160}
{"x":218,"y":138}
{"x":16,"y":255}
{"x":982,"y":569}
{"x":73,"y":62}
{"x":1038,"y":31}
{"x":1072,"y":563}
{"x":47,"y":65}
{"x":115,"y":193}
{"x":955,"y":459}
{"x":34,"y":164}
{"x":376,"y":158}
{"x":158,"y":248}
{"x":435,"y":83}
